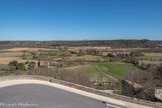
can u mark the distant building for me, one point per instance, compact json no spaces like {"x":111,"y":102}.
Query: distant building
{"x":160,"y":45}
{"x":45,"y":64}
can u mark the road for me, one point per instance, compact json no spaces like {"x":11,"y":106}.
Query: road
{"x":44,"y":96}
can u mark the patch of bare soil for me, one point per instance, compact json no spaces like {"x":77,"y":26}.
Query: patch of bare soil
{"x":151,"y":62}
{"x":6,"y":60}
{"x":28,"y":49}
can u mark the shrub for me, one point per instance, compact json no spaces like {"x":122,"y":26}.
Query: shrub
{"x":39,"y":63}
{"x":27,"y":62}
{"x":136,"y":54}
{"x":21,"y":66}
{"x":13,"y":63}
{"x":110,"y":55}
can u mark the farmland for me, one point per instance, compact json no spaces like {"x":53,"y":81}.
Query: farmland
{"x":96,"y":64}
{"x":115,"y":69}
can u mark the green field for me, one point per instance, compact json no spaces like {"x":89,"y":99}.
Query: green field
{"x":119,"y":92}
{"x":116,"y":69}
{"x":87,"y":58}
{"x":46,"y":54}
{"x":57,"y":52}
{"x":144,"y":57}
{"x":94,"y":66}
{"x":11,"y":54}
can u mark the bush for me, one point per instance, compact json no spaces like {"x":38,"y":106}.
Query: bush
{"x":21,"y":66}
{"x":136,"y":54}
{"x":27,"y":62}
{"x":110,"y":55}
{"x":31,"y":65}
{"x":39,"y":64}
{"x":17,"y":66}
{"x":13,"y":63}
{"x":114,"y":59}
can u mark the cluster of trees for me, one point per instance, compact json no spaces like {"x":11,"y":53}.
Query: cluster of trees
{"x":129,"y":58}
{"x":87,"y":52}
{"x":116,"y":56}
{"x":144,"y":78}
{"x":136,"y":54}
{"x":112,"y":43}
{"x":15,"y":65}
{"x":150,"y":77}
{"x":148,"y":50}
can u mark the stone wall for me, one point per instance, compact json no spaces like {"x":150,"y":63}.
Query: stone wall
{"x":87,"y":89}
{"x":136,"y":91}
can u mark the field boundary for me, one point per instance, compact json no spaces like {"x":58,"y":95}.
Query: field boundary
{"x":84,"y":88}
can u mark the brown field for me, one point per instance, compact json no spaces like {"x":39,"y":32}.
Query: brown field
{"x":11,"y":54}
{"x":85,"y":48}
{"x":151,"y":62}
{"x":28,"y":49}
{"x":153,"y":54}
{"x":106,"y":48}
{"x":6,"y":60}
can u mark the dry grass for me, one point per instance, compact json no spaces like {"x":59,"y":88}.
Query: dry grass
{"x":153,"y":54}
{"x":86,"y":48}
{"x":6,"y":60}
{"x":151,"y":62}
{"x":28,"y":49}
{"x":11,"y":54}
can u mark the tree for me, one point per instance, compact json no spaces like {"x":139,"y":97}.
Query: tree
{"x":27,"y":62}
{"x":39,"y":63}
{"x":21,"y":66}
{"x":32,"y":65}
{"x":136,"y":54}
{"x":13,"y":64}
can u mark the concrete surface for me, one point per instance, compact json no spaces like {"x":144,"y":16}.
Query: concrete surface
{"x":77,"y":98}
{"x":42,"y":96}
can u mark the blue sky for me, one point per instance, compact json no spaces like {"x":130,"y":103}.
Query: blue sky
{"x":80,"y":19}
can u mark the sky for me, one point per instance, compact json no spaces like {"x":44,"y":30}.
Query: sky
{"x":80,"y":19}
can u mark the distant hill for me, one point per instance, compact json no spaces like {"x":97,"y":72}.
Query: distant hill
{"x":112,"y":43}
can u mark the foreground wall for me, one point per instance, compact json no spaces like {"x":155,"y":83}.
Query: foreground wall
{"x":80,"y":87}
{"x":130,"y":89}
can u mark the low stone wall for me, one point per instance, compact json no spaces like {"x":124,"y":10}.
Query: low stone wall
{"x":80,"y":87}
{"x":137,"y":91}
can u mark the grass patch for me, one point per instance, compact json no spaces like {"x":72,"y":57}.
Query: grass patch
{"x":159,"y":101}
{"x":11,"y":54}
{"x":95,"y":70}
{"x":144,"y":57}
{"x":107,"y":58}
{"x":117,"y":69}
{"x":86,"y":58}
{"x":30,"y":57}
{"x":117,"y":92}
{"x":50,"y":53}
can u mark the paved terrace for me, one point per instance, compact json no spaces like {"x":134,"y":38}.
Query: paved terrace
{"x":44,"y":94}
